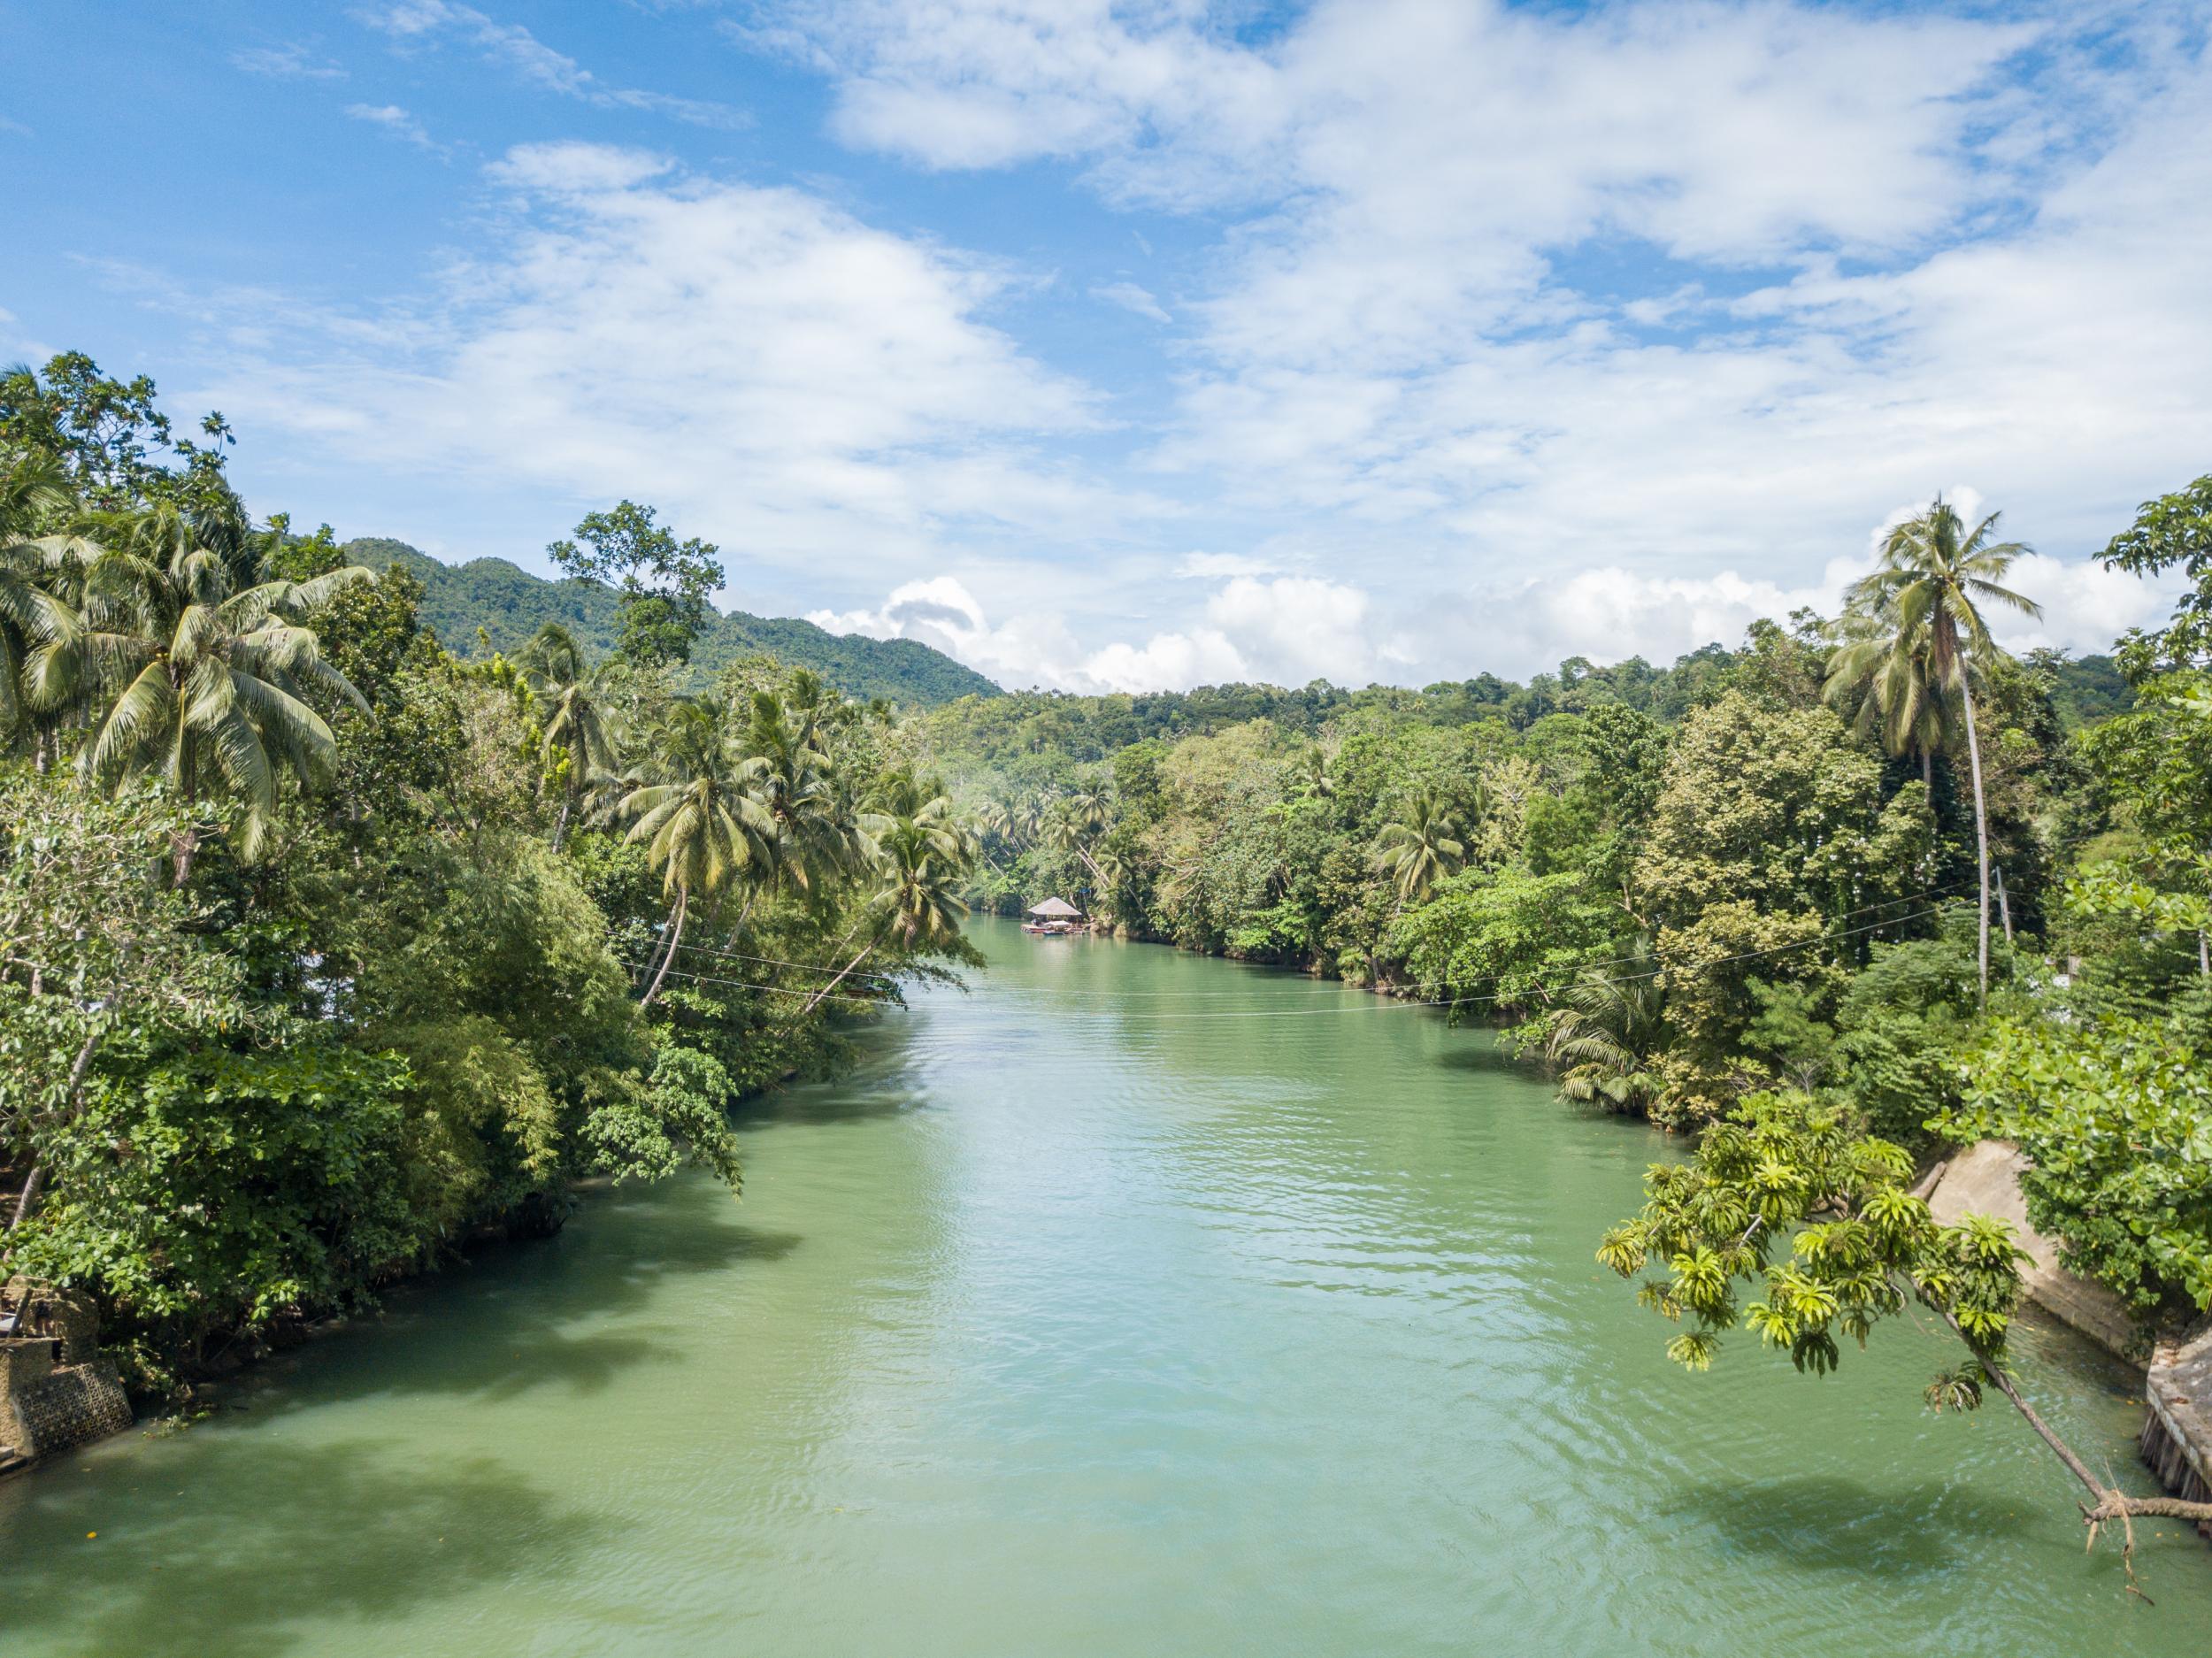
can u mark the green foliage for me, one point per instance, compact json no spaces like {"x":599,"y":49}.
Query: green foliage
{"x":210,"y":1189}
{"x":249,"y":1079}
{"x":2114,"y":1115}
{"x":1795,"y":1198}
{"x":2173,"y":531}
{"x":664,"y":585}
{"x":1506,"y":938}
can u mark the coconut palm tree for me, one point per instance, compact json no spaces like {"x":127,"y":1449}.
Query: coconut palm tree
{"x":796,"y":783}
{"x":32,"y":494}
{"x":1894,"y":703}
{"x":1611,"y":1030}
{"x":702,"y":825}
{"x":1091,"y":802}
{"x":559,"y":678}
{"x":1067,"y":824}
{"x":191,"y":672}
{"x":1311,"y":773}
{"x":1421,"y":846}
{"x":1921,"y":608}
{"x":921,"y":857}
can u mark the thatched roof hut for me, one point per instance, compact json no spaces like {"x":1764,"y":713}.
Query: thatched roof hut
{"x":1056,"y":910}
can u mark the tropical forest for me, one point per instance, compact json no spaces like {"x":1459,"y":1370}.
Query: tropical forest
{"x":1106,"y":829}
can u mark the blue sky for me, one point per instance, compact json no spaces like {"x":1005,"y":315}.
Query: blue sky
{"x":1146,"y":344}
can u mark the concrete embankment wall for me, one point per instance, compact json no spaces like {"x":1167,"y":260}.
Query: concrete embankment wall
{"x":2176,"y":1438}
{"x":2177,"y":1433}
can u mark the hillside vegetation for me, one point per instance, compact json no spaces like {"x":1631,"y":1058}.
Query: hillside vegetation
{"x":510,"y":605}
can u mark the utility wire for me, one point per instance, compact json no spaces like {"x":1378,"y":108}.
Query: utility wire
{"x":778,"y":990}
{"x":770,"y":961}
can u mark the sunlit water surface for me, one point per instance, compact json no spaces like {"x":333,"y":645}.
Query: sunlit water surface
{"x":1129,"y":1304}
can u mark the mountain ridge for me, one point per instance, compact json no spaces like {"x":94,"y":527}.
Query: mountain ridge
{"x":510,"y":604}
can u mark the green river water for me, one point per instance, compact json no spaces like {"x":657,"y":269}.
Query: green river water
{"x":1131,"y":1303}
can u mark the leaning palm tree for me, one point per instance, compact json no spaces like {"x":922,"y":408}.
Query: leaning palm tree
{"x":1923,"y":604}
{"x":1610,"y":1033}
{"x":917,"y":903}
{"x":702,"y":825}
{"x":192,"y":675}
{"x":1066,"y":826}
{"x":1422,"y":846}
{"x":558,"y":677}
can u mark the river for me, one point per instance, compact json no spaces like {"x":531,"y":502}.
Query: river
{"x":1130,"y":1304}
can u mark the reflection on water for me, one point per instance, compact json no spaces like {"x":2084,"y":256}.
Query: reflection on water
{"x":1131,"y":1303}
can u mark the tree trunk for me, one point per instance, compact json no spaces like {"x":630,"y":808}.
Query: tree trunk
{"x":815,"y":1001}
{"x":75,"y":1086}
{"x":2004,"y":906}
{"x":560,"y":823}
{"x":1981,"y":827}
{"x":1927,"y":770}
{"x":675,"y":937}
{"x":29,"y":1195}
{"x":2110,"y":1504}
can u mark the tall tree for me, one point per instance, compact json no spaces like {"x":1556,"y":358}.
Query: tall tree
{"x":664,"y":584}
{"x":1921,"y":615}
{"x":554,"y":667}
{"x":1421,"y":846}
{"x":703,"y":826}
{"x":33,"y":493}
{"x":194,"y":675}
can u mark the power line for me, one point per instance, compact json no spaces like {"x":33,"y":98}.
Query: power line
{"x":770,"y":961}
{"x":776,"y":990}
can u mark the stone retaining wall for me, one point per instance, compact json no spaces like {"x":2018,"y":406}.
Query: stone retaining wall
{"x":56,"y":1391}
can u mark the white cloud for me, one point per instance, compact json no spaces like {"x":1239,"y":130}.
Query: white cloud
{"x":1287,"y":630}
{"x":517,"y":50}
{"x":396,"y":122}
{"x":1610,"y":613}
{"x":1129,"y":296}
{"x":286,"y":62}
{"x":815,"y":395}
{"x":1864,"y":251}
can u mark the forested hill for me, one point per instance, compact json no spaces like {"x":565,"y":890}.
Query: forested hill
{"x":510,"y":604}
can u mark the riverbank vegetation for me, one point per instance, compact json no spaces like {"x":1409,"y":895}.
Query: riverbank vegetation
{"x":1863,"y":888}
{"x":326,"y":951}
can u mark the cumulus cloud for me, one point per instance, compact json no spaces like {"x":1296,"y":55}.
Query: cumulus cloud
{"x":814,"y":394}
{"x":1683,"y":296}
{"x":1287,"y":629}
